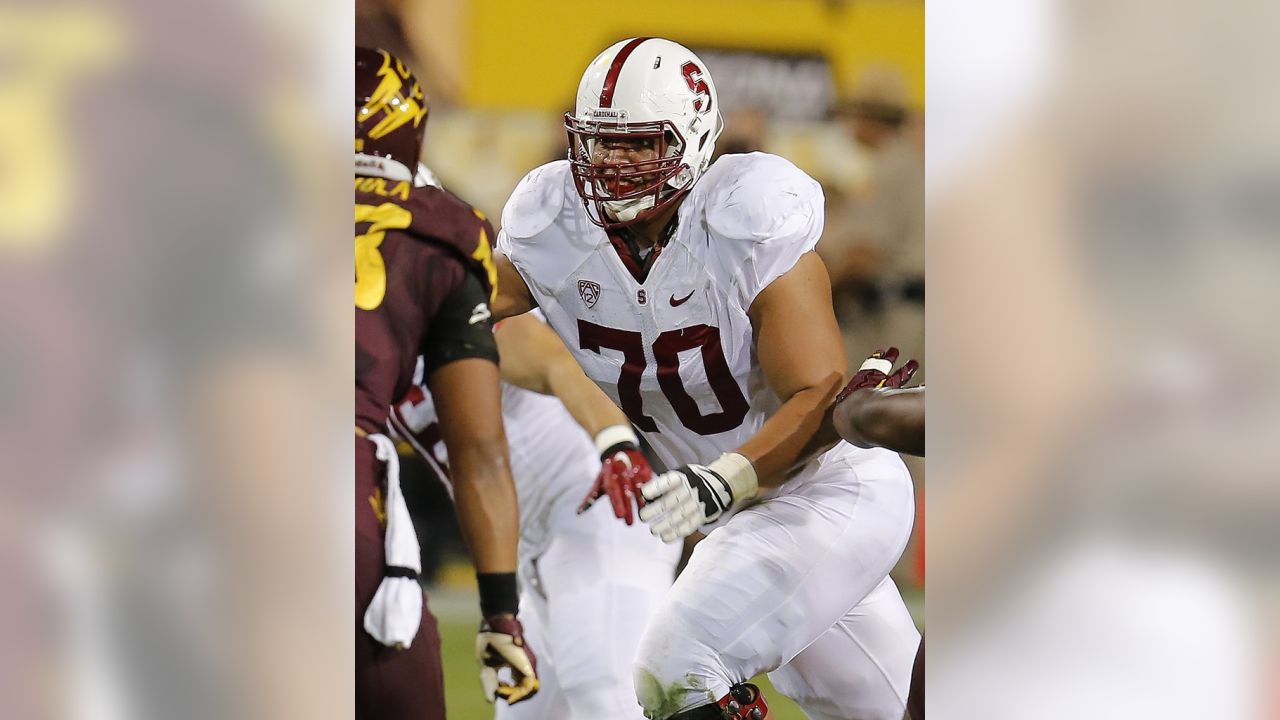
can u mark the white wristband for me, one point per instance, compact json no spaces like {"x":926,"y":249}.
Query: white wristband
{"x":613,"y":435}
{"x":880,"y":364}
{"x":739,"y":473}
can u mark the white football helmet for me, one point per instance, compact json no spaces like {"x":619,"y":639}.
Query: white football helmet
{"x":642,"y":89}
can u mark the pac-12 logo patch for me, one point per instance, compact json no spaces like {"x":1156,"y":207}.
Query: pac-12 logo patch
{"x":589,"y":291}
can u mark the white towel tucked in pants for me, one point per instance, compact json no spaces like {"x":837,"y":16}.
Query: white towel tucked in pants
{"x":396,"y":611}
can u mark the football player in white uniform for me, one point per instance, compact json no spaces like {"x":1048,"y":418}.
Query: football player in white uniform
{"x":588,"y":583}
{"x":692,"y":296}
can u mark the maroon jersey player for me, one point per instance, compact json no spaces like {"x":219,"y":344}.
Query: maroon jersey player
{"x":874,"y":410}
{"x":423,"y":281}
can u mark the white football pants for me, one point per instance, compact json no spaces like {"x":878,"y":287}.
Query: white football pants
{"x":584,"y":604}
{"x":796,"y":586}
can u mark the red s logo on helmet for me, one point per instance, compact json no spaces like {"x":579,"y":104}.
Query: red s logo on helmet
{"x":693,"y":76}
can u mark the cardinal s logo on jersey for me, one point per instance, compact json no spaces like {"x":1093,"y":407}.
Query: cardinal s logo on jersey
{"x":589,"y":291}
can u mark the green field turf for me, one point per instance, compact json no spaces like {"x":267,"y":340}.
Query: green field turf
{"x":459,"y":616}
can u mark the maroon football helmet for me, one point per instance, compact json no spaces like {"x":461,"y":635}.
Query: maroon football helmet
{"x":391,"y":115}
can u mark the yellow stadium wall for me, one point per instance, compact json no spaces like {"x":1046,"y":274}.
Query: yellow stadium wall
{"x":530,"y":55}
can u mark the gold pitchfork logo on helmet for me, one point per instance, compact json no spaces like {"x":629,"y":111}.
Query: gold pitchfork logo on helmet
{"x":390,"y":98}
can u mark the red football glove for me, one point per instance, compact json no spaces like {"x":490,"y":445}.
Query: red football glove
{"x":877,"y":372}
{"x":623,"y":470}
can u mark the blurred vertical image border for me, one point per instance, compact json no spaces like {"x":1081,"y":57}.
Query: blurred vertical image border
{"x":1104,"y":363}
{"x":173,"y":326}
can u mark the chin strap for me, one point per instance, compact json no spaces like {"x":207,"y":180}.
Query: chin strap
{"x":628,"y":210}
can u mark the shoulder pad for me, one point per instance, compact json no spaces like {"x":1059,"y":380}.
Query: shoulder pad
{"x":442,"y":218}
{"x":537,"y":200}
{"x":758,"y":196}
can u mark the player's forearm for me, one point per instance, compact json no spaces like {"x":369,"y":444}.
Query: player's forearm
{"x":513,"y":296}
{"x":505,"y":306}
{"x":892,"y":419}
{"x":821,"y":441}
{"x":786,"y":438}
{"x":485,"y":498}
{"x":590,"y":407}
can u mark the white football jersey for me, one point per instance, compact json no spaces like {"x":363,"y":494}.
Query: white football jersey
{"x":676,"y":351}
{"x":553,"y":460}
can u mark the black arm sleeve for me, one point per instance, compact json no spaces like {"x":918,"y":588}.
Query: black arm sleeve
{"x":462,"y":328}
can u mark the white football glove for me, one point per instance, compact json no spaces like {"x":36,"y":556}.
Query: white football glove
{"x":683,"y":500}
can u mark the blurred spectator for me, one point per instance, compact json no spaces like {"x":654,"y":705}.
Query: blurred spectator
{"x":379,"y":24}
{"x":557,"y":140}
{"x":874,"y":244}
{"x":745,"y":131}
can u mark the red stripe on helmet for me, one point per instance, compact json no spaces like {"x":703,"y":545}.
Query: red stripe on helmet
{"x":611,"y":78}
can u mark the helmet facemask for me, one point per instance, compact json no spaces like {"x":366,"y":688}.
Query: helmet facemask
{"x":617,"y":194}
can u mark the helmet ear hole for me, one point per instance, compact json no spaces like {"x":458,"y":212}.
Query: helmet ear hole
{"x":702,"y":141}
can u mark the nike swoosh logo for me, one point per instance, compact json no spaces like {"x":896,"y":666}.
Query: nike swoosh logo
{"x":681,"y":301}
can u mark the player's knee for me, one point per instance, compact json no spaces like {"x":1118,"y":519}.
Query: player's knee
{"x":652,"y":693}
{"x":685,"y":698}
{"x":675,"y":668}
{"x":665,"y":698}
